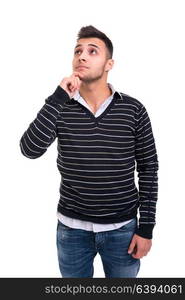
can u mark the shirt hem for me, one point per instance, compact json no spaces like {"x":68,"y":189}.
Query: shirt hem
{"x":100,"y":219}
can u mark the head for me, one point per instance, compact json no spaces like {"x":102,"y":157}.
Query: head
{"x":92,"y":55}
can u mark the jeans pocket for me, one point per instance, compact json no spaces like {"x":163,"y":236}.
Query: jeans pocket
{"x":131,"y":226}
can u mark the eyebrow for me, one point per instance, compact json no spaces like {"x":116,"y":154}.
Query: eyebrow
{"x":79,"y":45}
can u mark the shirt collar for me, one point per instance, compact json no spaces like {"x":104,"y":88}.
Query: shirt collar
{"x":77,"y":94}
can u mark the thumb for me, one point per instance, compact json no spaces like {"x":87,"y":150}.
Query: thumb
{"x":132,"y":245}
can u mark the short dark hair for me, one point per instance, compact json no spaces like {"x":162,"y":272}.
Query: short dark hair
{"x":91,"y":31}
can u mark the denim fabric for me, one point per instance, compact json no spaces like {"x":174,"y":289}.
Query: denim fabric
{"x":77,"y":249}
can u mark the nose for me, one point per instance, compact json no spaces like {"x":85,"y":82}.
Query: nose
{"x":81,"y":59}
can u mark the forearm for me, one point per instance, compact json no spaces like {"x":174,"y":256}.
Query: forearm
{"x":148,"y":195}
{"x":42,"y":131}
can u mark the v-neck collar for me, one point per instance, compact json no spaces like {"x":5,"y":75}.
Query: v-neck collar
{"x":92,"y":116}
{"x":95,"y":119}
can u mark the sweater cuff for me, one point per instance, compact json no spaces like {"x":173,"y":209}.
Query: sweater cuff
{"x":145,"y":231}
{"x":59,"y":96}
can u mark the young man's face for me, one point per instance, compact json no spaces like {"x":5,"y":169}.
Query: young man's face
{"x":90,"y":59}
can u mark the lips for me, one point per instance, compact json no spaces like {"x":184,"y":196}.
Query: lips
{"x":82,"y":67}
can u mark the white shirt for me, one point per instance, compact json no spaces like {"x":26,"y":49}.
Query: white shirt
{"x":86,"y":225}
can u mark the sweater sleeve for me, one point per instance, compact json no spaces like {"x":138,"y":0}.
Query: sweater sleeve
{"x":42,"y":132}
{"x":147,"y":168}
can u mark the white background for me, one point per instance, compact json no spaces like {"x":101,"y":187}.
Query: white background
{"x":37,"y":40}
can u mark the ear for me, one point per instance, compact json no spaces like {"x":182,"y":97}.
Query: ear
{"x":109,"y":65}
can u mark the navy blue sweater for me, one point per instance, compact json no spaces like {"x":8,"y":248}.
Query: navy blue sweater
{"x":97,"y":158}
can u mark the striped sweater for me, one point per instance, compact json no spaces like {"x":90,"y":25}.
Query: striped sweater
{"x":97,"y":157}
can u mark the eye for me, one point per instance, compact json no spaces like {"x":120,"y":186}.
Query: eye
{"x":93,"y":50}
{"x":77,"y":51}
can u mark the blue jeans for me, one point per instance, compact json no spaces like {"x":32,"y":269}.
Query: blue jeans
{"x":77,"y":249}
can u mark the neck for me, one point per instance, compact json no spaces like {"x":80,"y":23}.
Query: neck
{"x":95,"y":93}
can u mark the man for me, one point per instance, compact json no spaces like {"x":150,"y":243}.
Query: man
{"x":101,"y":134}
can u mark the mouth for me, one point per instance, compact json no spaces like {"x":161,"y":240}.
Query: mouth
{"x":81,"y":67}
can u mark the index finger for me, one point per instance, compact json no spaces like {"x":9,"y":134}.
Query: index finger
{"x":76,"y":74}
